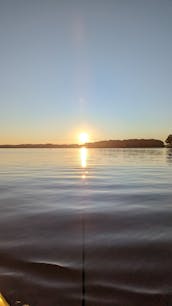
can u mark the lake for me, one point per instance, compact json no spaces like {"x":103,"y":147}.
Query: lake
{"x":85,"y":227}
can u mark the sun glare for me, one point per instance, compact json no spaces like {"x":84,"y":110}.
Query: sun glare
{"x":83,"y":138}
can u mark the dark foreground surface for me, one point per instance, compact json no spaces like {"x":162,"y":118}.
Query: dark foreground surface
{"x":86,"y":227}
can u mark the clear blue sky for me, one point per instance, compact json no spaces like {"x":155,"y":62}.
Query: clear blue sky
{"x":100,"y":66}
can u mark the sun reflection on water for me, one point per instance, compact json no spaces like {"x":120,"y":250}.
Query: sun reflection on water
{"x":83,"y":155}
{"x":83,"y":159}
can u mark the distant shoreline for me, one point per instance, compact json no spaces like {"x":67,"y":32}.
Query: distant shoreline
{"x":128,"y":143}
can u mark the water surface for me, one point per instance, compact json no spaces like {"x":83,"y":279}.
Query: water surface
{"x":86,"y":227}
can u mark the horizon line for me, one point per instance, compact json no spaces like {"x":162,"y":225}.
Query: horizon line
{"x":110,"y":142}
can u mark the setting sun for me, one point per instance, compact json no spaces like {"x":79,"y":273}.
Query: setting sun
{"x":83,"y":138}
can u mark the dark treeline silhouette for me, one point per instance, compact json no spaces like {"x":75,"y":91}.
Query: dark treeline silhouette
{"x":169,"y":141}
{"x":128,"y":143}
{"x":39,"y":146}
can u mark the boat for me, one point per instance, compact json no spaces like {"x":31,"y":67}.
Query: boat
{"x":3,"y":301}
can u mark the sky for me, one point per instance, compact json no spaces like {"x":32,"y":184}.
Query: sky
{"x":98,"y":66}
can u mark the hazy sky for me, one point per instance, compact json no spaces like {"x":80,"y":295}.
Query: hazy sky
{"x":103,"y":66}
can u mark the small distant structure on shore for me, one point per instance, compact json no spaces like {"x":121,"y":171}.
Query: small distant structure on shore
{"x":169,"y":141}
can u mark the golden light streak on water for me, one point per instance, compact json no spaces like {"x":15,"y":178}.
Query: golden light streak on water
{"x":83,"y":159}
{"x":83,"y":156}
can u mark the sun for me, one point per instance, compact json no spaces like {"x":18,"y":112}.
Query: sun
{"x":83,"y":137}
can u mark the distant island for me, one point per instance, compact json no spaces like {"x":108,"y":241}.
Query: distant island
{"x":127,"y":143}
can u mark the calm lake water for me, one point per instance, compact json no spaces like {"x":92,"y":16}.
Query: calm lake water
{"x":85,"y":227}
